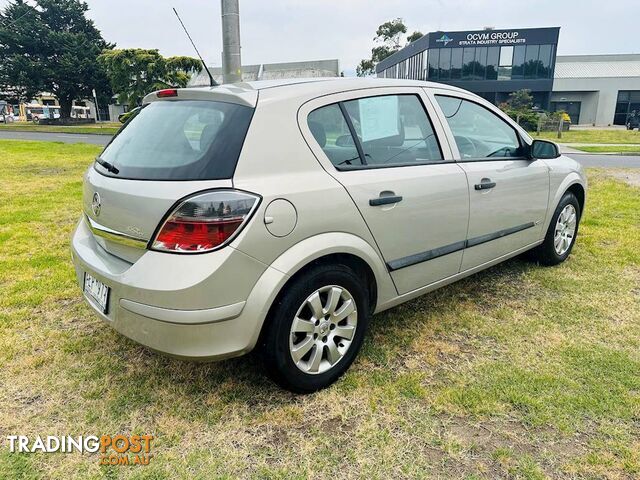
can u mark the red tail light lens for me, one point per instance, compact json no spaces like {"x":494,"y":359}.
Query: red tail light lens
{"x":205,"y":221}
{"x":169,"y":92}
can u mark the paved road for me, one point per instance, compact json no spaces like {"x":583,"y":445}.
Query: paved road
{"x":613,"y":161}
{"x":586,"y":159}
{"x":56,"y":137}
{"x":602,"y":144}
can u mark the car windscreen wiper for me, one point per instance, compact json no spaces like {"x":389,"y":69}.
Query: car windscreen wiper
{"x":108,"y":166}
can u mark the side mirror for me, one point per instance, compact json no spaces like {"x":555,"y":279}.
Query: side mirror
{"x":544,"y":150}
{"x":345,"y":141}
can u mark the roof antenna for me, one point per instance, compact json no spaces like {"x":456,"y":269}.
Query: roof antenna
{"x":212,"y":82}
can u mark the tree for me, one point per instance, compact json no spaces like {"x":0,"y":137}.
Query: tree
{"x":519,"y":106}
{"x":388,"y":40}
{"x":414,"y":36}
{"x":520,"y":100}
{"x":134,"y":72}
{"x":390,"y":33}
{"x":50,"y":47}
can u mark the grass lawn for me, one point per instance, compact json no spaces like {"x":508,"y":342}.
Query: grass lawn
{"x":630,"y":149}
{"x":518,"y":372}
{"x":592,"y":136}
{"x":91,"y":129}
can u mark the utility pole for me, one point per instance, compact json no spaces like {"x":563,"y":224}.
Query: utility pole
{"x":231,"y":63}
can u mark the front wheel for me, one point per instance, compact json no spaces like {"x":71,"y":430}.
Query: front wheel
{"x":316,"y":329}
{"x":562,"y":232}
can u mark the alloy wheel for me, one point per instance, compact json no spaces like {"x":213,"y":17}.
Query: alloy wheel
{"x":323,"y":329}
{"x":565,"y":229}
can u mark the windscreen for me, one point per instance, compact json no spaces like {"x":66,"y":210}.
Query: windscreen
{"x":179,"y":140}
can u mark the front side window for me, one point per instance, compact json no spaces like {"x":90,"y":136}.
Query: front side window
{"x":390,"y":130}
{"x":478,"y":132}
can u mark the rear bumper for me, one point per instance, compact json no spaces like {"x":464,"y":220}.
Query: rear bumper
{"x":203,"y":307}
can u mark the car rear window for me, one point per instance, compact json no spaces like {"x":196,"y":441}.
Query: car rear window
{"x":179,"y":140}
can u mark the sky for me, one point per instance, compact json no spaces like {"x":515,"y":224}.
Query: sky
{"x":290,"y":30}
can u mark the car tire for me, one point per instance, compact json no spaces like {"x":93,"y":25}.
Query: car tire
{"x":322,"y":348}
{"x":561,"y":234}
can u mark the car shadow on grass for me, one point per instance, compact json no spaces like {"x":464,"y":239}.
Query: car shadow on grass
{"x":152,"y":378}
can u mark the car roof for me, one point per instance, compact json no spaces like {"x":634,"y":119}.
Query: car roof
{"x":338,"y":83}
{"x":246,"y":93}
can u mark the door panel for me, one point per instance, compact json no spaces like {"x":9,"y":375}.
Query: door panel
{"x":508,"y":216}
{"x":421,"y":232}
{"x":422,"y":236}
{"x":508,"y":193}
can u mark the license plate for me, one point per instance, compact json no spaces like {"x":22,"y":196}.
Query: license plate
{"x":97,"y":291}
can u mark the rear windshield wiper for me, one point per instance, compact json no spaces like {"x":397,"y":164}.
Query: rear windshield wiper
{"x":108,"y":166}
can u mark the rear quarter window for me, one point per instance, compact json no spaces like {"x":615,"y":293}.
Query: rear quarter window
{"x":180,"y":140}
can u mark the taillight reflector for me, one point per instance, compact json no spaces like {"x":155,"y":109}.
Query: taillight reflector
{"x":205,"y":222}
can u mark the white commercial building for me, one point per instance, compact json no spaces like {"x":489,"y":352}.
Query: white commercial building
{"x":275,"y":71}
{"x":597,"y":89}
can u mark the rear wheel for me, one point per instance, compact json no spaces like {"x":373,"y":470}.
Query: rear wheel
{"x":316,"y":328}
{"x":561,"y":234}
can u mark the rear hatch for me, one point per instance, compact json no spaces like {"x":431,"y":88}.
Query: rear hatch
{"x":181,"y":142}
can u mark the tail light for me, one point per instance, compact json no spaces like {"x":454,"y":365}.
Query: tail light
{"x":205,"y":222}
{"x":167,"y":92}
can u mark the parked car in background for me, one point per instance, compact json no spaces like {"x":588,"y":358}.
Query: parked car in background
{"x":79,"y":111}
{"x":36,"y":112}
{"x":283,"y":214}
{"x":6,"y":112}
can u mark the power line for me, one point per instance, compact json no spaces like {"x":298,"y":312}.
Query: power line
{"x":21,"y":16}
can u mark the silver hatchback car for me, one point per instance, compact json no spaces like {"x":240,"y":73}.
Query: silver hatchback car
{"x":283,"y":214}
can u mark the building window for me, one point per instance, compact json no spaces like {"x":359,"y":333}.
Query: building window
{"x":506,"y":63}
{"x":480,"y":63}
{"x":456,"y":63}
{"x":545,"y":61}
{"x":480,"y":66}
{"x":425,"y":65}
{"x":415,"y":67}
{"x":517,"y":71}
{"x":434,"y":59}
{"x":468,"y":56}
{"x":419,"y":66}
{"x":445,"y":64}
{"x":531,"y":61}
{"x":628,"y":104}
{"x":493,"y":54}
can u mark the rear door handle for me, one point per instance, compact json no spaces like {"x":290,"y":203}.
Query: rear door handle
{"x":485,"y":184}
{"x":376,"y":202}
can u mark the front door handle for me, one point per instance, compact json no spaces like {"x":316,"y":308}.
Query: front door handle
{"x":485,"y":184}
{"x":386,"y":200}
